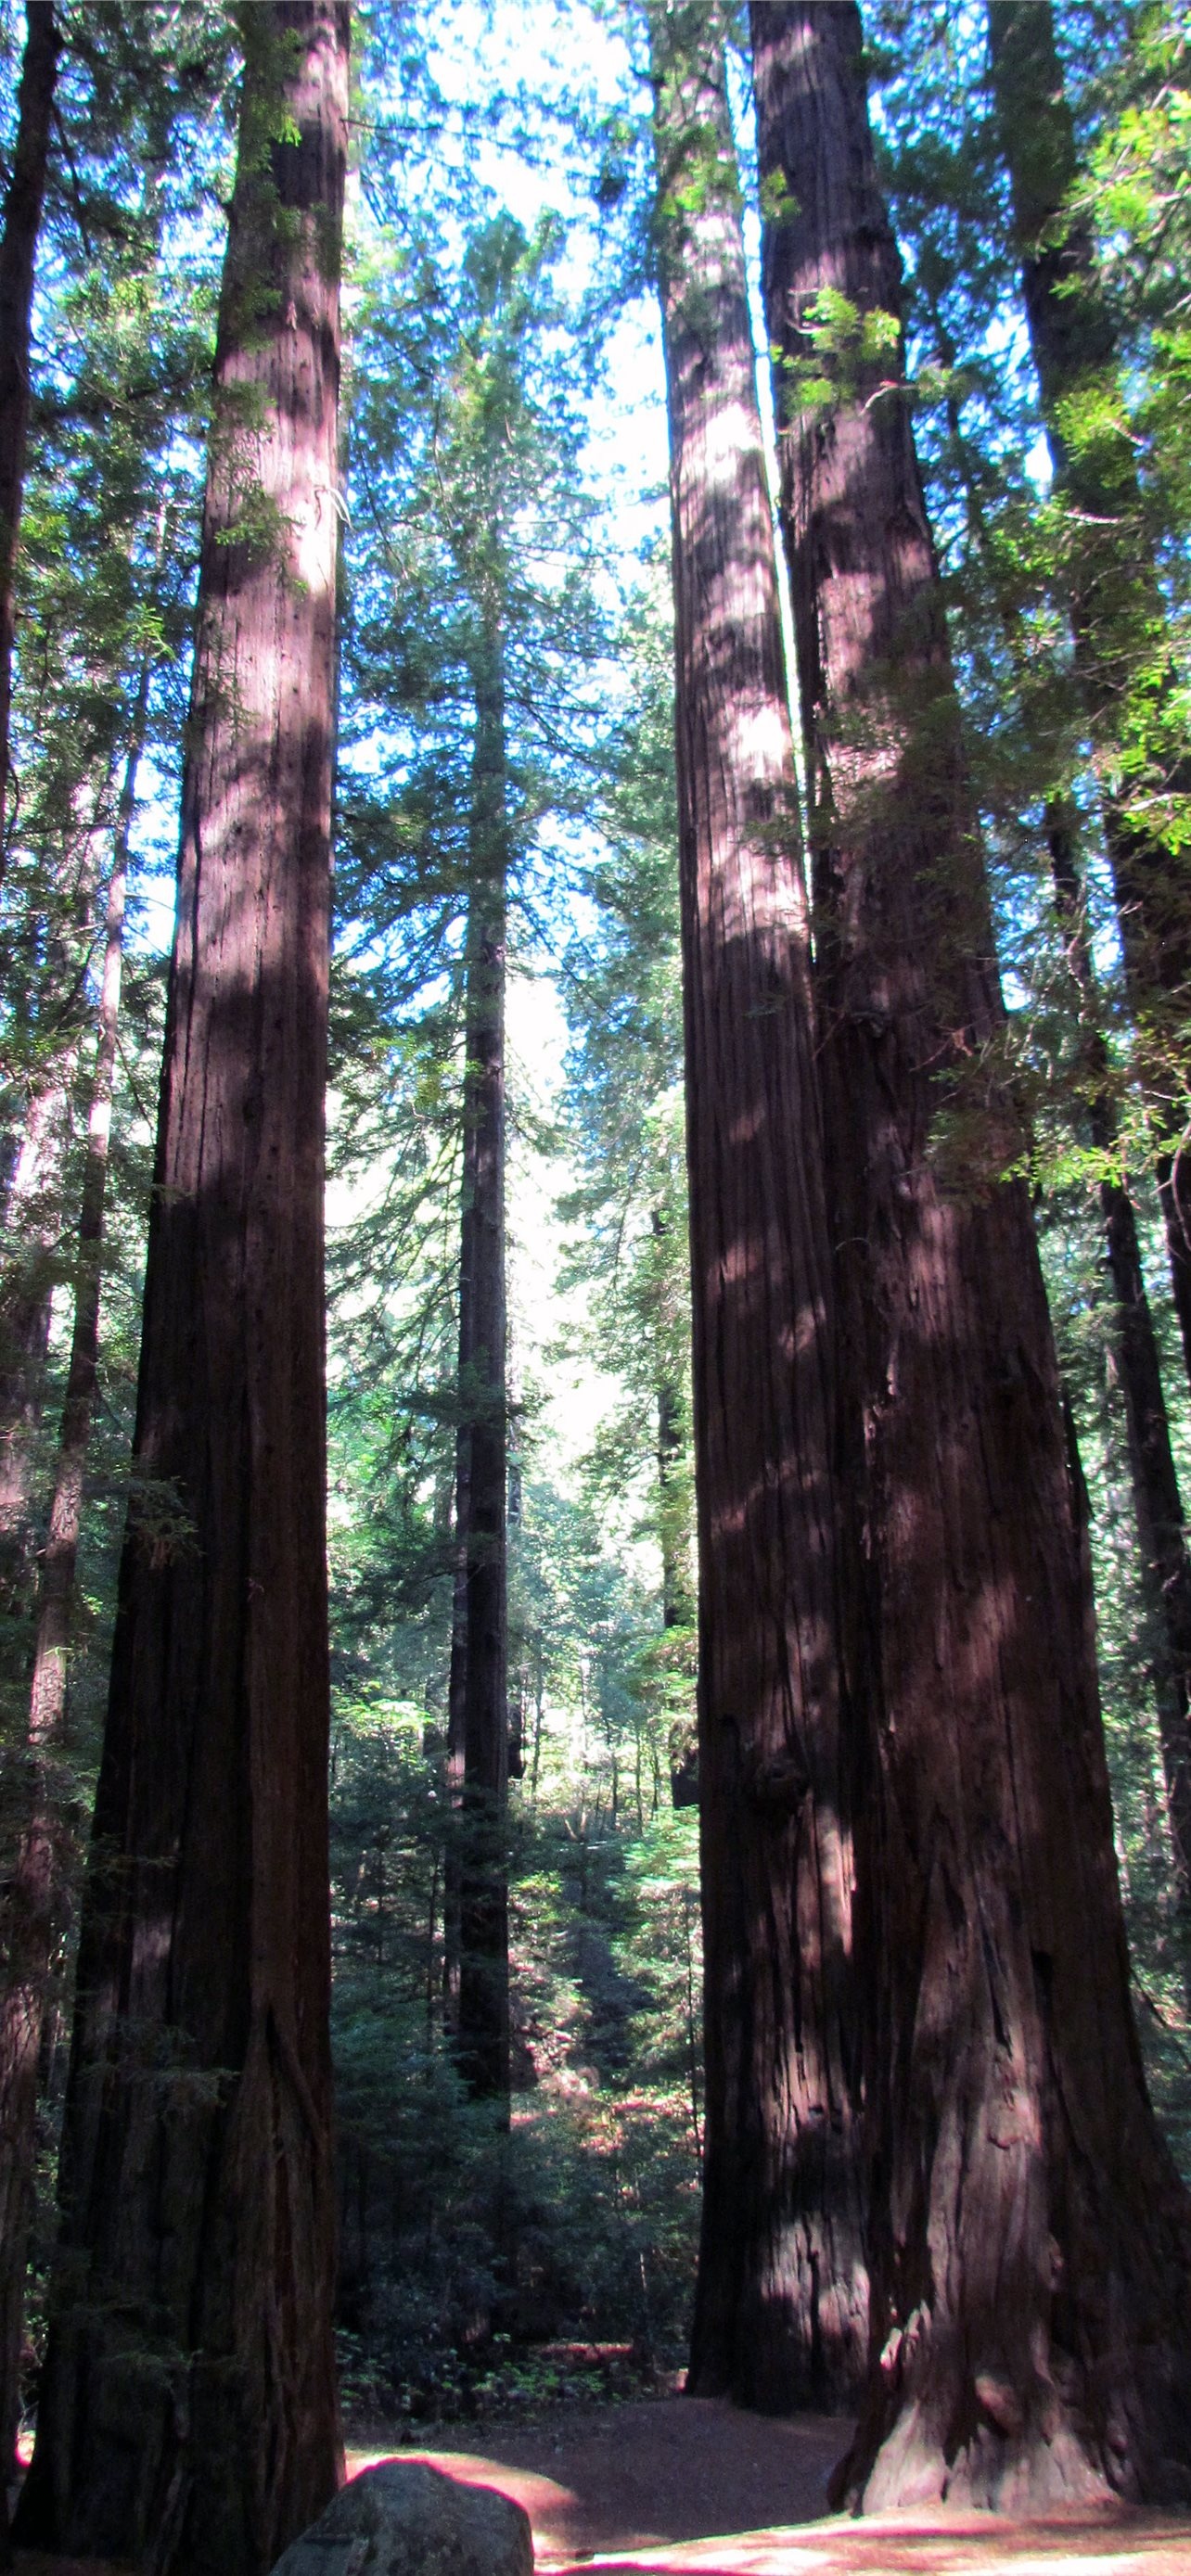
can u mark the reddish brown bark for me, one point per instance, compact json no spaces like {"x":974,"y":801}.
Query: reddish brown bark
{"x":48,"y":1691}
{"x":1029,"y":2239}
{"x":477,"y":1755}
{"x":188,"y":2409}
{"x":780,"y":2301}
{"x":1166,"y":1563}
{"x":32,"y":1908}
{"x":1117,"y":612}
{"x":18,"y":251}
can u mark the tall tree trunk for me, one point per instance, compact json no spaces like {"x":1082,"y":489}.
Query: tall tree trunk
{"x":1165,"y":1560}
{"x":677,"y":1605}
{"x":32,"y":1907}
{"x":478,"y":1742}
{"x":676,"y":1600}
{"x":188,"y":2410}
{"x":457,"y":1680}
{"x":18,"y":251}
{"x":49,"y":1039}
{"x":1157,"y":1503}
{"x":33,"y":1223}
{"x":674,"y":1535}
{"x":34,"y":1231}
{"x":1117,"y":612}
{"x":48,"y":1692}
{"x":1029,"y":2238}
{"x":781,"y":2294}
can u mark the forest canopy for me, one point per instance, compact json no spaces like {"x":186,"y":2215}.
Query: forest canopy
{"x":595,"y":1303}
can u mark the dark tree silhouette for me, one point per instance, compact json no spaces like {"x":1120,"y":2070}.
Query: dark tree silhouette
{"x":1029,"y":2238}
{"x":31,"y":1907}
{"x":1166,"y":1563}
{"x":781,"y":2297}
{"x":1117,"y":613}
{"x":188,"y":2410}
{"x":18,"y":252}
{"x":1153,"y":1475}
{"x":477,"y":1752}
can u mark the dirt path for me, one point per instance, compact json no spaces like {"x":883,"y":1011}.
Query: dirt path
{"x":600,"y":2478}
{"x":683,"y":2486}
{"x":689,"y":2485}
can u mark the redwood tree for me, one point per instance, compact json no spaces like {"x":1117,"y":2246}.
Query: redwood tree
{"x":32,"y":1221}
{"x":1118,"y":619}
{"x":490,"y":462}
{"x":188,"y":2408}
{"x":780,"y":2301}
{"x":18,"y":251}
{"x":32,"y":1905}
{"x":1165,"y":1560}
{"x":1157,"y":1502}
{"x":1029,"y":2238}
{"x":477,"y":1753}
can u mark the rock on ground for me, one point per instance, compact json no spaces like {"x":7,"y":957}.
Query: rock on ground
{"x":406,"y":2520}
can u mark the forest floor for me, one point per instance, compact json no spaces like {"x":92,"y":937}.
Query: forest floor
{"x":694,"y":2486}
{"x":686,"y":2486}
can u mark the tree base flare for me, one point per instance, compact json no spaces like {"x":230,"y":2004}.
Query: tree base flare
{"x":999,"y":2454}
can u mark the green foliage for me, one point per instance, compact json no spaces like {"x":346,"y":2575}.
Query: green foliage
{"x":467,"y":2249}
{"x":1015,"y":549}
{"x":625,"y":1110}
{"x":1130,"y":1652}
{"x":480,"y":2267}
{"x":846,"y":359}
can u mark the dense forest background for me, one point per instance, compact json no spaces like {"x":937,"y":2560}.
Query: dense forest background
{"x":503,"y":440}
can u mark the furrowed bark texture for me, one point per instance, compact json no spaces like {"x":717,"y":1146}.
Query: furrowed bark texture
{"x":33,"y":1903}
{"x":1029,"y":2238}
{"x":188,"y":2415}
{"x":18,"y":251}
{"x":780,"y":2308}
{"x":1166,"y":1564}
{"x":478,"y":1750}
{"x":1117,"y":612}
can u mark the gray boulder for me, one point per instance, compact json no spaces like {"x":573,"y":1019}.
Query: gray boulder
{"x":403,"y":2519}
